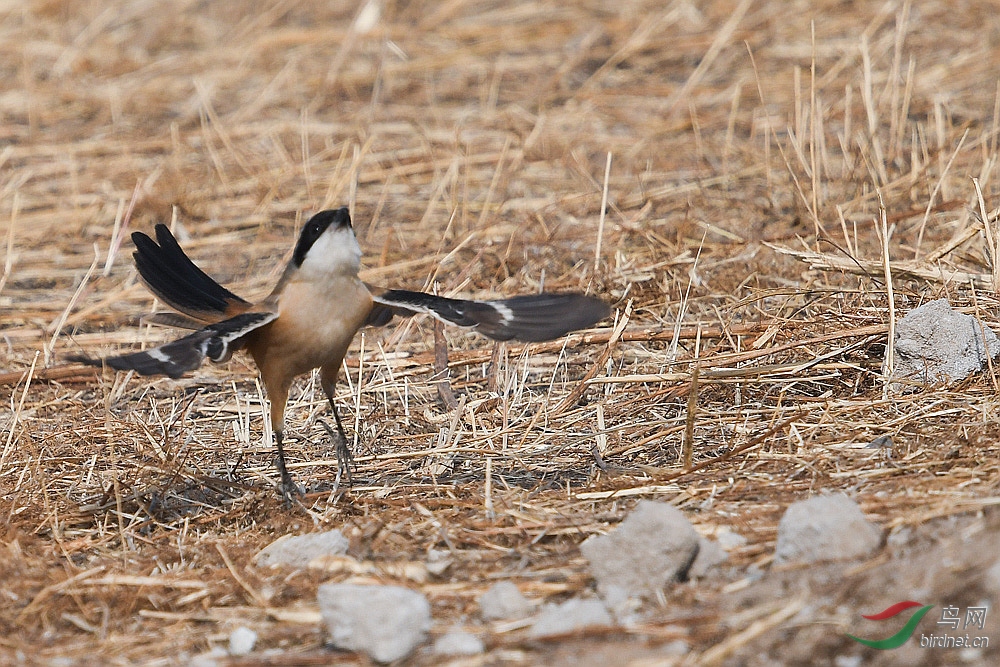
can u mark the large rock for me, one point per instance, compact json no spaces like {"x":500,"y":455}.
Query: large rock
{"x":298,"y":550}
{"x":652,"y":547}
{"x":825,"y":528}
{"x":385,"y":622}
{"x":934,"y":344}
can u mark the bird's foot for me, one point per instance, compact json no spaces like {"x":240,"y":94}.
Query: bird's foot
{"x":290,"y":491}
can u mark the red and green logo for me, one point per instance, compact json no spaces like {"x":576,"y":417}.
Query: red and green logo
{"x":898,"y":639}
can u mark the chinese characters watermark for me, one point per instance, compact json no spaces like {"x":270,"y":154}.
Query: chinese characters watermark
{"x":973,"y":619}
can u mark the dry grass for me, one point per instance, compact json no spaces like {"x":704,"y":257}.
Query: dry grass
{"x":473,"y":143}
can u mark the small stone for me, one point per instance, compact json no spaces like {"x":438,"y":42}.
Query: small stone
{"x":242,"y":641}
{"x":385,"y":622}
{"x":653,"y":546}
{"x":730,"y":540}
{"x":847,"y":661}
{"x":458,"y":642}
{"x":298,"y":550}
{"x":881,"y":442}
{"x":438,"y":561}
{"x":678,"y":647}
{"x":970,"y":654}
{"x":825,"y":528}
{"x":504,"y":601}
{"x":709,"y":555}
{"x":211,"y":658}
{"x":570,"y":616}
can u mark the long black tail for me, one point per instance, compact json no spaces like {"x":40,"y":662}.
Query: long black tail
{"x":174,"y":279}
{"x":532,"y":318}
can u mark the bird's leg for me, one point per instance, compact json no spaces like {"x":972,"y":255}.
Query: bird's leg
{"x":345,"y":459}
{"x":277,"y":394}
{"x":289,"y":489}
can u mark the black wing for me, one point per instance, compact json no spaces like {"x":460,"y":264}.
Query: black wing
{"x":177,"y":281}
{"x":216,"y":342}
{"x":532,"y":318}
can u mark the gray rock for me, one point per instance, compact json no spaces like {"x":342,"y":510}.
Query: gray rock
{"x":503,"y":600}
{"x":933,"y":343}
{"x":242,"y":641}
{"x":653,"y":546}
{"x":825,"y":528}
{"x":570,"y":616}
{"x":458,"y":642}
{"x":385,"y":622}
{"x":298,"y":550}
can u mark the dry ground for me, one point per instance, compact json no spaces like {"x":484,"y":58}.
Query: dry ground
{"x":472,"y":140}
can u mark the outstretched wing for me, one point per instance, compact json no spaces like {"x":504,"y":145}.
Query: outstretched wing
{"x":177,"y":281}
{"x":532,"y":318}
{"x":217,"y":342}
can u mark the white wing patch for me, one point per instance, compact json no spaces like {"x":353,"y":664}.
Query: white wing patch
{"x":506,"y":314}
{"x":158,"y":354}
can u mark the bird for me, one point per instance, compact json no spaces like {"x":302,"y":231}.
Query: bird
{"x":311,"y":316}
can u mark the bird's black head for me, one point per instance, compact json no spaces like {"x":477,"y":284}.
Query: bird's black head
{"x":314,"y":229}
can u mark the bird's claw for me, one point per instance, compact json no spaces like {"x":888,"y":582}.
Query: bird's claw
{"x":290,"y":491}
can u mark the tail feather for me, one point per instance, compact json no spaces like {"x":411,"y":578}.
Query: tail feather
{"x":175,"y":279}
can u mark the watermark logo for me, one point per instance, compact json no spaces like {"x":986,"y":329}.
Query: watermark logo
{"x":951,"y":617}
{"x":898,"y":639}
